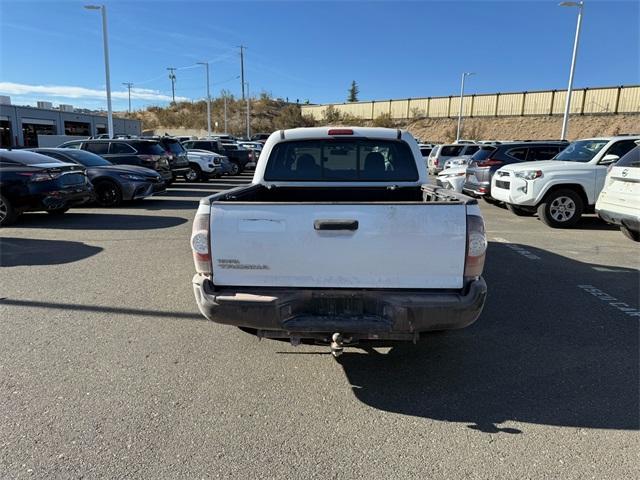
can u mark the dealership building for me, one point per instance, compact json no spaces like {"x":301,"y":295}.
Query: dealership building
{"x":20,"y":126}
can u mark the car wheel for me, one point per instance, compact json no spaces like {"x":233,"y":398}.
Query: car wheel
{"x":108,"y":194}
{"x":630,"y":234}
{"x":194,"y":174}
{"x":7,"y":212}
{"x":561,"y":209}
{"x":519,"y":211}
{"x":58,"y":211}
{"x":235,"y":169}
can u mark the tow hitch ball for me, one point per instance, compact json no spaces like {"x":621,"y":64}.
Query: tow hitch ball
{"x":337,"y":345}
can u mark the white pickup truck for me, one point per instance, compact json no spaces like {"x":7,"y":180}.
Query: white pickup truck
{"x":339,"y":239}
{"x":562,"y":189}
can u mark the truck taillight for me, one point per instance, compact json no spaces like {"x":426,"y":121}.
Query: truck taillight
{"x":476,"y":247}
{"x":200,"y":243}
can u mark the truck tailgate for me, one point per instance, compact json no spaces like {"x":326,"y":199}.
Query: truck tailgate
{"x":410,"y":246}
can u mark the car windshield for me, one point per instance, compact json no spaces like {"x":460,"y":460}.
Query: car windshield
{"x":581,"y":151}
{"x":358,"y":160}
{"x":87,"y":159}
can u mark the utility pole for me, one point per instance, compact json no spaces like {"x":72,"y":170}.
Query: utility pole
{"x":242,"y":48}
{"x":128,"y":85}
{"x":172,"y":77}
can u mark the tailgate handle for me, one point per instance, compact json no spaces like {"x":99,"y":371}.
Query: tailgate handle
{"x":335,"y":224}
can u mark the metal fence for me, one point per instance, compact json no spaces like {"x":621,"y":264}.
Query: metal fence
{"x":602,"y":100}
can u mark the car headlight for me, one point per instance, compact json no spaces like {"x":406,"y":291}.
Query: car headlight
{"x":136,"y":178}
{"x":529,"y":174}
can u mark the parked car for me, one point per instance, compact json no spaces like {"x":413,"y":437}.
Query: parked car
{"x":306,"y":253}
{"x":238,"y":157}
{"x":425,"y":151}
{"x":260,"y":137}
{"x":452,"y":178}
{"x":178,"y":161}
{"x":491,"y":157}
{"x":143,"y":153}
{"x":33,"y":182}
{"x":112,"y":183}
{"x":256,"y":149}
{"x":619,"y":200}
{"x":562,"y":189}
{"x":440,"y":154}
{"x":203,"y":165}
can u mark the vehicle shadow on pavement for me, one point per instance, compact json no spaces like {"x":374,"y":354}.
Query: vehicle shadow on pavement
{"x":15,"y":252}
{"x":543,"y":352}
{"x":102,"y":309}
{"x":74,"y":220}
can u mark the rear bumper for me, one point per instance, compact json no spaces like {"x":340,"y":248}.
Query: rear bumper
{"x":477,"y":189}
{"x":632,"y":222}
{"x":359,"y":314}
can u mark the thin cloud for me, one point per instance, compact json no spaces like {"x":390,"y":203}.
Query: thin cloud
{"x":82,"y":92}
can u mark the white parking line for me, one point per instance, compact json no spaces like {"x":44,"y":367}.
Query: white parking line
{"x":517,"y":248}
{"x":610,"y":300}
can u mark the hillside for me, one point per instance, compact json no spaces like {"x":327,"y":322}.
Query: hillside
{"x":268,"y":114}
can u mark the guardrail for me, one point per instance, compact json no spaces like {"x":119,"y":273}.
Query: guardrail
{"x":585,"y":101}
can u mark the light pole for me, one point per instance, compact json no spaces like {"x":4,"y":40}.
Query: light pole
{"x":128,"y":85}
{"x":248,"y":114}
{"x":225,"y":114}
{"x":206,"y":66}
{"x":567,"y":105}
{"x":464,"y":75}
{"x":105,"y":39}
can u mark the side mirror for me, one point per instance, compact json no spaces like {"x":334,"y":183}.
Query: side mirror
{"x":607,"y":159}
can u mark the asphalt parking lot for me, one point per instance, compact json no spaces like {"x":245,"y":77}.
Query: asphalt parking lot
{"x":108,"y":370}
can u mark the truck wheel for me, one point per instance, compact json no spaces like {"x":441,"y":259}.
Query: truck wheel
{"x":235,"y":169}
{"x":561,"y":209}
{"x":7,"y":212}
{"x":108,"y":194}
{"x":519,"y":211}
{"x":630,"y":234}
{"x":194,"y":174}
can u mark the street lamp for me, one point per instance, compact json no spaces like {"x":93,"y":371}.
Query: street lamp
{"x":105,"y":40}
{"x":248,"y":114}
{"x":206,"y":66}
{"x":464,"y":75}
{"x":567,"y":105}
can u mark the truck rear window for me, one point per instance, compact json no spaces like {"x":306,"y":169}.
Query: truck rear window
{"x":338,"y":160}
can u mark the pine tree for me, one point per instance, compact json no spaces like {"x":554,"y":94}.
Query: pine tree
{"x":353,"y":92}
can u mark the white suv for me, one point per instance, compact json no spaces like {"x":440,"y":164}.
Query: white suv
{"x":441,"y":153}
{"x":562,"y":189}
{"x":619,"y":201}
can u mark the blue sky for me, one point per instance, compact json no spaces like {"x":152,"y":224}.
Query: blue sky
{"x":311,"y":50}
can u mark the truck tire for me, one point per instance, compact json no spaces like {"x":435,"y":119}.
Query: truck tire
{"x":194,"y":174}
{"x":561,"y":209}
{"x":630,"y":234}
{"x":519,"y":211}
{"x":7,"y":212}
